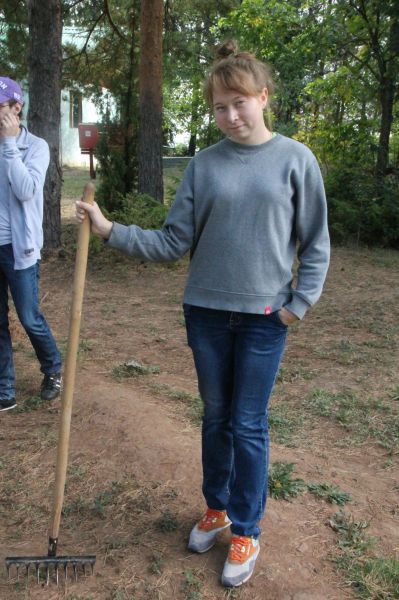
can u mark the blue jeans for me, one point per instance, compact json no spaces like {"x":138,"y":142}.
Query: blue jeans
{"x":237,"y":357}
{"x":24,"y":288}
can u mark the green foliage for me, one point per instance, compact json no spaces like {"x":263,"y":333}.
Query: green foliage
{"x":351,"y":534}
{"x":117,"y":165}
{"x":133,"y":369}
{"x":362,"y":208}
{"x":330,"y":492}
{"x":375,"y":578}
{"x":193,"y":404}
{"x":103,"y":499}
{"x":192,"y":585}
{"x":167,"y":522}
{"x":281,"y":484}
{"x":32,"y":403}
{"x":363,"y":418}
{"x":13,"y":38}
{"x":140,"y":209}
{"x":157,"y":563}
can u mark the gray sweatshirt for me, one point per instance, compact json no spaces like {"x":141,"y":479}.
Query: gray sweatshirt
{"x":23,"y":165}
{"x":244,"y":212}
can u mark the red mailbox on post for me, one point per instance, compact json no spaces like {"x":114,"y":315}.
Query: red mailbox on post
{"x":88,"y":138}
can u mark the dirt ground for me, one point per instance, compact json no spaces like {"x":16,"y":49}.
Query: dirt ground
{"x":134,"y":477}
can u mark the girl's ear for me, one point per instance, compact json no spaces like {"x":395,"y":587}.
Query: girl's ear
{"x":263,"y":97}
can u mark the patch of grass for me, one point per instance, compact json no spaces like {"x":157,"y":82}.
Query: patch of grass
{"x":32,"y":403}
{"x":74,"y":597}
{"x":291,"y":374}
{"x":77,"y":507}
{"x":193,"y":404}
{"x":362,"y":418}
{"x":281,"y":484}
{"x":330,"y":492}
{"x":157,"y":563}
{"x":167,"y":522}
{"x":351,"y":533}
{"x":103,"y":499}
{"x":284,"y":423}
{"x":74,"y":180}
{"x":192,"y":585}
{"x":133,"y":369}
{"x":84,"y":346}
{"x":119,"y":594}
{"x":76,"y":472}
{"x":373,"y":578}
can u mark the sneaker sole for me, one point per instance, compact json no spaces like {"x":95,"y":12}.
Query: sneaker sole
{"x":8,"y":408}
{"x":211,"y":544}
{"x":230,"y":584}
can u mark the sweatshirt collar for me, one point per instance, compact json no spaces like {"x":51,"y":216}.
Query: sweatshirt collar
{"x":251,"y":148}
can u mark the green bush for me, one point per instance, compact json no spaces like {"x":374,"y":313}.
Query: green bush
{"x":140,"y":209}
{"x":363,"y":209}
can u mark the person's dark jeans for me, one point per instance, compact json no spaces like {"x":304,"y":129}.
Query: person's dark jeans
{"x":237,"y":357}
{"x":24,"y":288}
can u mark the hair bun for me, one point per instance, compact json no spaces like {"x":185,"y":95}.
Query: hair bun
{"x":227,"y":49}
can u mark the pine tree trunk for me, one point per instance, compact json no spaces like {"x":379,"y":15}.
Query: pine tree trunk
{"x":387,"y":94}
{"x":45,"y":67}
{"x":150,"y":133}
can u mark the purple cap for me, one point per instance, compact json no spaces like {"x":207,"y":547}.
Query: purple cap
{"x":10,"y":90}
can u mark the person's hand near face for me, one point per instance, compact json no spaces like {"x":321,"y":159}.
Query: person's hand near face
{"x":9,"y":120}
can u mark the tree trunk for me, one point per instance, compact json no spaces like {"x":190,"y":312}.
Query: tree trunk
{"x":150,"y":179}
{"x":45,"y":68}
{"x":387,"y":95}
{"x":130,"y":108}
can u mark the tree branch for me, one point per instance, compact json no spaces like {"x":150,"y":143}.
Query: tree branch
{"x":114,"y":27}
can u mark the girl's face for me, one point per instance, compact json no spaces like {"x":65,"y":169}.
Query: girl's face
{"x":240,"y":117}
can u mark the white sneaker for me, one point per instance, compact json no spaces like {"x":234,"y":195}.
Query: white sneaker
{"x":241,"y":560}
{"x":204,"y":533}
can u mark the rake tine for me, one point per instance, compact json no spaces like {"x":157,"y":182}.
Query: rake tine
{"x":27,"y":571}
{"x":38,"y":573}
{"x":8,"y":571}
{"x":17,"y":573}
{"x":75,"y":571}
{"x":47,"y":575}
{"x":56,"y":574}
{"x":66,"y":572}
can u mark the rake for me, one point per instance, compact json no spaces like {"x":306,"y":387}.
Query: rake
{"x":52,"y":560}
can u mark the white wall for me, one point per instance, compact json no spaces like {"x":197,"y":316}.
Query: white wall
{"x":70,"y":154}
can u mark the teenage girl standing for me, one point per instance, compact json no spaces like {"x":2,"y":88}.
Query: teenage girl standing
{"x":245,"y":208}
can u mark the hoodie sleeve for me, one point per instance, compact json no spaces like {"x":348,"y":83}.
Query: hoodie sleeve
{"x":27,"y":177}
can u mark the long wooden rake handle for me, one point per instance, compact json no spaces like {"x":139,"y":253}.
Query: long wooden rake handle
{"x":70,"y":372}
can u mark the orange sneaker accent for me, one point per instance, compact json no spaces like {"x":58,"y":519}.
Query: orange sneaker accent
{"x":241,"y":549}
{"x":212,"y":519}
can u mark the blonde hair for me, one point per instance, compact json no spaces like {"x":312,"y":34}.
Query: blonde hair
{"x":241,"y":71}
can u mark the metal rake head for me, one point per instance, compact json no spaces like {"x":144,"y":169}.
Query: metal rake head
{"x":50,"y":563}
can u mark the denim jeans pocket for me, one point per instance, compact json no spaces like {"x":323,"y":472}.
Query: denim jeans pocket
{"x":276,"y":315}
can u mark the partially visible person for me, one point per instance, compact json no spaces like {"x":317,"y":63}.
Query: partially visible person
{"x":24,"y":159}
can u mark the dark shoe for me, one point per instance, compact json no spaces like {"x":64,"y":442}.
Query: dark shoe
{"x":7,"y":404}
{"x":51,"y":386}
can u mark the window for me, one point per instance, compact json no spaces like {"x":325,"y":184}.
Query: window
{"x":75,"y":109}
